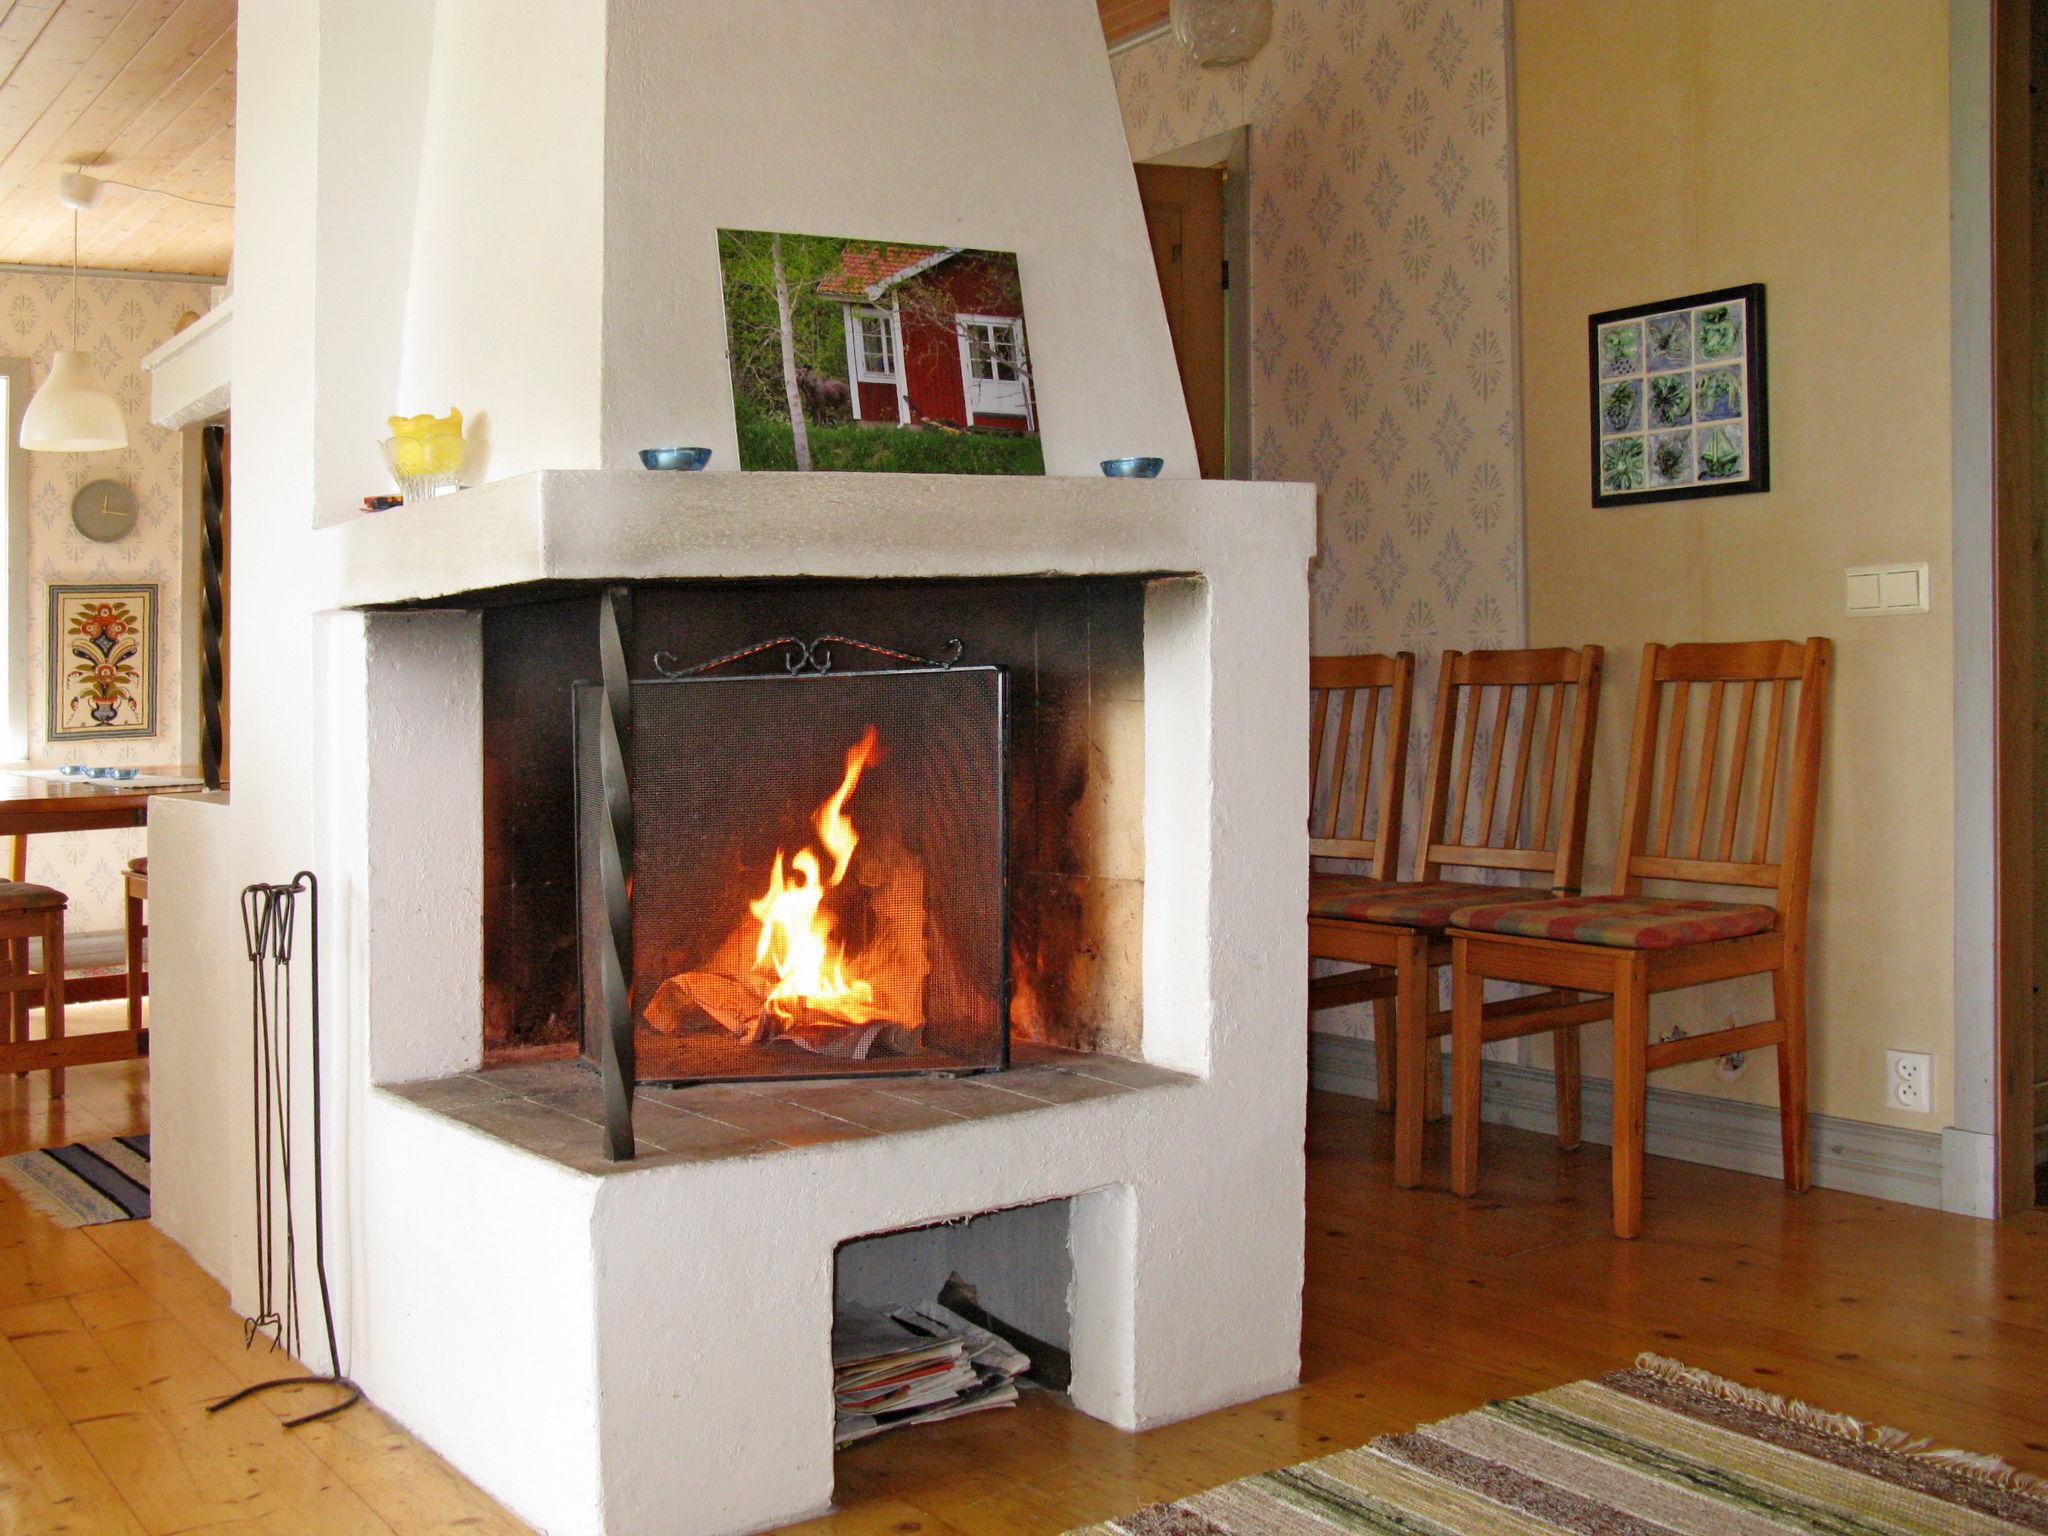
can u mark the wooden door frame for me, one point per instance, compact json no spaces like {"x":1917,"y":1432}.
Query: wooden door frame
{"x":1231,"y":149}
{"x":1988,"y":1154}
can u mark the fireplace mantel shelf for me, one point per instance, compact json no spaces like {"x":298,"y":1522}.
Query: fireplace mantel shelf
{"x":578,"y":527}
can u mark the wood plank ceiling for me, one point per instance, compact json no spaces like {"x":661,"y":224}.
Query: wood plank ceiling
{"x":140,"y":91}
{"x":1127,"y":18}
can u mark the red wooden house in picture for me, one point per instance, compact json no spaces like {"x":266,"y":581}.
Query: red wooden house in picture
{"x":934,"y":334}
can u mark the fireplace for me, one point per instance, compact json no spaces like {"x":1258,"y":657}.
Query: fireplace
{"x":818,"y":879}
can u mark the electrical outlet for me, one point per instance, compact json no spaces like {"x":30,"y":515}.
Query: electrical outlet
{"x":1906,"y":1080}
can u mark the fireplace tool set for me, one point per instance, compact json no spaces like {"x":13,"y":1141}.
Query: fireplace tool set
{"x":269,"y":918}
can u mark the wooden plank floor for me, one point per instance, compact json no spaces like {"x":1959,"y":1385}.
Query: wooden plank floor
{"x":1418,"y":1306}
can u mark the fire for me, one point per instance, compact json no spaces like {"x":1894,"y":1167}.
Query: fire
{"x":796,"y":946}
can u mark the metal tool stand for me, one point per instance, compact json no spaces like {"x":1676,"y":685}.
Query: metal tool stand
{"x":269,"y":916}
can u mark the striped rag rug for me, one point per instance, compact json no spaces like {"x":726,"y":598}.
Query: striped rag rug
{"x":1659,"y":1450}
{"x":84,"y":1184}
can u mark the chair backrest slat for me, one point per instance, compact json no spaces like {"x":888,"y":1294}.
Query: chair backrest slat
{"x":1510,"y":832}
{"x":1350,"y":794}
{"x":1359,"y":803}
{"x":1517,"y":789}
{"x":1760,"y":847}
{"x":1667,"y":799}
{"x":1664,"y":764}
{"x":1710,"y":734}
{"x":1738,"y":767}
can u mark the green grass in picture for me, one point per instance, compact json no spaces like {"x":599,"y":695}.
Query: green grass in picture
{"x":1670,"y":400}
{"x":1719,"y":331}
{"x":1720,"y":453}
{"x":1621,"y":464}
{"x":766,"y":443}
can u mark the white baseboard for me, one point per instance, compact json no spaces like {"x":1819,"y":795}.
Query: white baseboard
{"x":1851,"y":1155}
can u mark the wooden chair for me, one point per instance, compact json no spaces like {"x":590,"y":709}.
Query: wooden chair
{"x":1370,"y":698}
{"x":33,"y":912}
{"x":1528,"y":821}
{"x":1628,"y":945}
{"x":136,"y":882}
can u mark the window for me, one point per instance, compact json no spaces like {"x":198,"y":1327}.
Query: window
{"x":991,"y":349}
{"x":877,"y":346}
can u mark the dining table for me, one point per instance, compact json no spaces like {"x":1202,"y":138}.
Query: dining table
{"x":35,"y":801}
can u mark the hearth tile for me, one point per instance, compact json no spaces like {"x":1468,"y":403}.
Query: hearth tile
{"x":532,"y":1077}
{"x":584,"y":1100}
{"x":736,"y":1106}
{"x":1048,"y":1085}
{"x":537,"y":1129}
{"x":968,"y":1097}
{"x":1121,"y":1069}
{"x":872,"y":1107}
{"x":681,"y":1134}
{"x":449,"y":1093}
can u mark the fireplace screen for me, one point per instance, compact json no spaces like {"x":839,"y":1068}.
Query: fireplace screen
{"x":818,"y":882}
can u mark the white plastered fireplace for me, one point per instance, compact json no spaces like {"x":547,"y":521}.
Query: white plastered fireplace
{"x":645,"y":1348}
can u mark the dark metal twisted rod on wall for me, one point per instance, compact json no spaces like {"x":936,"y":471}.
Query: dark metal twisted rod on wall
{"x":213,"y":610}
{"x":615,"y":863}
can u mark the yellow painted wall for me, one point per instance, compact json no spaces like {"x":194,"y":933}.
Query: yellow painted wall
{"x":1668,"y":149}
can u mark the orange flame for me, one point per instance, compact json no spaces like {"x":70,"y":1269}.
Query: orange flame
{"x":796,"y":945}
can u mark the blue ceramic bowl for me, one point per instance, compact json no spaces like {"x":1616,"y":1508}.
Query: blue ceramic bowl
{"x":675,"y":458}
{"x":1132,"y":469}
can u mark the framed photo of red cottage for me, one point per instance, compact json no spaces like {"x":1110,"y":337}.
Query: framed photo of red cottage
{"x":851,"y":354}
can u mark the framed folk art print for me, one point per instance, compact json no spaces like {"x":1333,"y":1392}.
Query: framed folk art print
{"x":1679,"y":398}
{"x":102,"y":660}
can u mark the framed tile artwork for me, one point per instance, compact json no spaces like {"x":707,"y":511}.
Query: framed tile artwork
{"x":1678,"y":396}
{"x":102,"y":660}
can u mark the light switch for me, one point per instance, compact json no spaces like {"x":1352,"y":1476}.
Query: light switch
{"x":1902,"y":588}
{"x":1885,"y":589}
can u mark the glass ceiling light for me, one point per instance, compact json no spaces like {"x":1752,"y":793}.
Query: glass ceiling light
{"x":1222,"y":34}
{"x":72,"y":412}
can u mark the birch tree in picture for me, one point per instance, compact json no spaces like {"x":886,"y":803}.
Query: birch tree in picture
{"x":799,"y":429}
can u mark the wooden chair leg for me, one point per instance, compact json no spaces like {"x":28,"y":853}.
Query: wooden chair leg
{"x":1564,"y":1050}
{"x":1468,"y":994}
{"x":1788,"y":994}
{"x":53,"y":992}
{"x":17,"y":1002}
{"x":1631,"y":1083}
{"x":1385,"y":1051}
{"x":134,"y":934}
{"x":1412,"y":1050}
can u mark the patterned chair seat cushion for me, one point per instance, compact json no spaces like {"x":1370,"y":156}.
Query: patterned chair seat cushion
{"x":1403,"y":903}
{"x":1620,"y":922}
{"x":20,"y":896}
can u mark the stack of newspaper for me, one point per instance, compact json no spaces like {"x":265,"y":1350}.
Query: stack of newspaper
{"x":916,"y":1365}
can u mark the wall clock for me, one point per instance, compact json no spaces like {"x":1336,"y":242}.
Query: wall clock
{"x":104,"y":511}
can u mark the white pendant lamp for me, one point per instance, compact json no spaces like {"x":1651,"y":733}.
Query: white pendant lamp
{"x":72,"y":412}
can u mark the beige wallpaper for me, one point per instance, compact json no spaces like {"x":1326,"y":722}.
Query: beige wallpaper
{"x":1829,"y":186}
{"x":118,"y":322}
{"x":1384,"y":331}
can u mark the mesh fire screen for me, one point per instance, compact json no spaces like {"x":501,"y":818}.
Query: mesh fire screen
{"x":819,"y":882}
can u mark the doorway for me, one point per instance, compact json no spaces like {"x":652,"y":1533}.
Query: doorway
{"x":1197,"y":216}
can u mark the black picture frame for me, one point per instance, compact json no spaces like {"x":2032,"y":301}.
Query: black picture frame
{"x":1641,"y":431}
